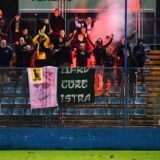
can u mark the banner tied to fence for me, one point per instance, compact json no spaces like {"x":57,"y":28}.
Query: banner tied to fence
{"x":43,"y":87}
{"x":75,"y":85}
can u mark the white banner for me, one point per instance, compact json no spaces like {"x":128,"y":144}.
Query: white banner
{"x":78,"y":5}
{"x":43,"y":87}
{"x":37,"y":5}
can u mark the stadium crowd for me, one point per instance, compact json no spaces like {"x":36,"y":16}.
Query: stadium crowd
{"x":51,"y":47}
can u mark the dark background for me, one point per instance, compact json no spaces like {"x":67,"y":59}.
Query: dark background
{"x":9,"y":7}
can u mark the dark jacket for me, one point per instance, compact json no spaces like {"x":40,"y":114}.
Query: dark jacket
{"x":131,"y":65}
{"x":139,"y":54}
{"x":99,"y":54}
{"x":82,"y":59}
{"x":5,"y":56}
{"x":109,"y":61}
{"x":57,"y":24}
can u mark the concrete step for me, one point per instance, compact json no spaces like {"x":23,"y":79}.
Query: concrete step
{"x":153,"y":52}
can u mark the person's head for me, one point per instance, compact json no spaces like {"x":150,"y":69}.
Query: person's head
{"x":21,"y":41}
{"x":99,"y":42}
{"x":89,"y":20}
{"x":82,"y":46}
{"x":128,"y":52}
{"x":123,"y":40}
{"x":140,"y":42}
{"x":67,"y":44}
{"x":41,"y":39}
{"x":25,"y":32}
{"x":60,"y":40}
{"x":28,"y":48}
{"x":17,"y":17}
{"x":83,"y":30}
{"x":51,"y":46}
{"x":76,"y":18}
{"x":46,"y":21}
{"x":109,"y":51}
{"x":56,"y":12}
{"x":62,"y":33}
{"x":1,"y":13}
{"x":80,"y":37}
{"x":3,"y":43}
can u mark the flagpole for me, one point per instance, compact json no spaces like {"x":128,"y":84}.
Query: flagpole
{"x":125,"y":34}
{"x":125,"y":76}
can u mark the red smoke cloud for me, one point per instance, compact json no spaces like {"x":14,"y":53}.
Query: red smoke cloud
{"x":112,"y":20}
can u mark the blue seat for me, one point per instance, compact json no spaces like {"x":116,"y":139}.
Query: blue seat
{"x":28,"y":101}
{"x":146,"y":47}
{"x":20,"y":100}
{"x":72,"y":111}
{"x":141,"y":89}
{"x":139,"y":112}
{"x":21,"y":90}
{"x":114,"y":100}
{"x":85,"y":112}
{"x":45,"y":112}
{"x":99,"y":112}
{"x":130,"y":112}
{"x":140,"y":100}
{"x":5,"y":112}
{"x":100,"y":100}
{"x":112,"y":112}
{"x":56,"y":111}
{"x":115,"y":90}
{"x":130,"y":100}
{"x":31,"y":112}
{"x":9,"y":89}
{"x":147,"y":59}
{"x":7,"y":100}
{"x":146,"y":69}
{"x":18,"y":112}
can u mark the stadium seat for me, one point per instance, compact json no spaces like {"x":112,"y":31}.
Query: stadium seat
{"x":8,"y":89}
{"x":139,"y":112}
{"x":141,"y":89}
{"x":18,"y":112}
{"x":45,"y":112}
{"x":112,"y":112}
{"x":130,"y":112}
{"x":116,"y":90}
{"x":72,"y":111}
{"x":146,"y":69}
{"x":99,"y":112}
{"x":147,"y":59}
{"x":113,"y":100}
{"x":140,"y":100}
{"x":146,"y":47}
{"x":7,"y":100}
{"x":21,"y":90}
{"x":5,"y":111}
{"x":56,"y":111}
{"x":130,"y":100}
{"x":31,"y":112}
{"x":85,"y":112}
{"x":28,"y":101}
{"x":100,"y":100}
{"x":20,"y":100}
